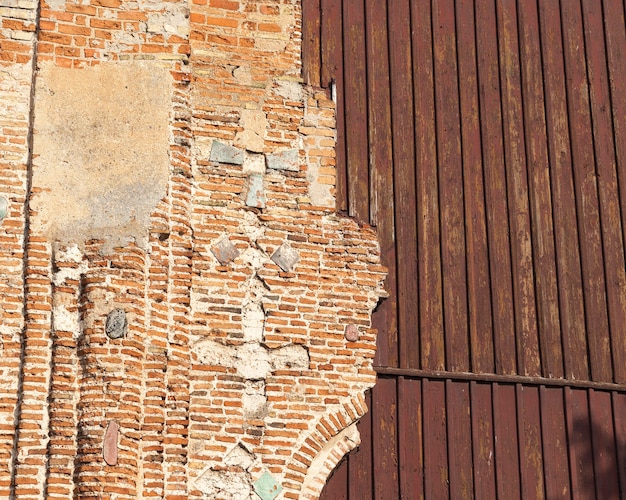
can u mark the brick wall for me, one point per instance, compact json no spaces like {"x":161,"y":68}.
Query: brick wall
{"x":183,"y":313}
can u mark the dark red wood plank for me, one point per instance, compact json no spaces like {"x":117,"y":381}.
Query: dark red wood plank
{"x":529,"y":429}
{"x":410,"y":437}
{"x":543,"y":251}
{"x":615,"y":37}
{"x":332,"y":71}
{"x":404,"y":181}
{"x":311,"y":57}
{"x":604,"y":444}
{"x":579,"y":443}
{"x":482,"y":441}
{"x":436,"y":470}
{"x":571,"y":303}
{"x":619,"y":410}
{"x":586,"y":193}
{"x":355,"y":88}
{"x":517,"y":192}
{"x":554,"y":439}
{"x":479,"y":293}
{"x":609,"y":195}
{"x":428,"y":234}
{"x":505,"y":415}
{"x":360,"y":463}
{"x":337,"y":486}
{"x":385,"y":438}
{"x":459,"y":439}
{"x":447,"y":116}
{"x":381,"y":175}
{"x":495,"y":187}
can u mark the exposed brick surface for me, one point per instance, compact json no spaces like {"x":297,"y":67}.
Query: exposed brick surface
{"x":233,"y":364}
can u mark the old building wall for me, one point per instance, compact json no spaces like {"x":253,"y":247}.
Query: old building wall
{"x":184,"y":315}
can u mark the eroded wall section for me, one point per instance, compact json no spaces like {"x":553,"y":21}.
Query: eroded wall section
{"x":196,"y":318}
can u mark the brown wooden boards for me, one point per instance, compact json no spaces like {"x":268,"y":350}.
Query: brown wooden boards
{"x":495,"y":188}
{"x":405,"y":205}
{"x":430,"y":305}
{"x":486,"y":140}
{"x":479,"y":293}
{"x":381,"y":167}
{"x":468,"y":439}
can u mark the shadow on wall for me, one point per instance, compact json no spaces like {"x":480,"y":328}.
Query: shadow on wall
{"x":597,"y":460}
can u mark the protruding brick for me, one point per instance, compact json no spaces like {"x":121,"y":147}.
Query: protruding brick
{"x":352,"y":333}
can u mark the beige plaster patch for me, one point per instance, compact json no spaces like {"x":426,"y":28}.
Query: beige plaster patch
{"x":100,"y":151}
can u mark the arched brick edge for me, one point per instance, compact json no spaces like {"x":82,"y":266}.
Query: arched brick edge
{"x":335,"y":435}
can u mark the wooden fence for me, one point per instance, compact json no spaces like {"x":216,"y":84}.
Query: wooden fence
{"x":486,"y":141}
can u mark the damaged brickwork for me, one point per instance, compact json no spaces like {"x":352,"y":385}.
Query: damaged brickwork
{"x":183,"y":315}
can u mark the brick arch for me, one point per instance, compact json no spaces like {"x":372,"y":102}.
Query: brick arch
{"x":334,"y":436}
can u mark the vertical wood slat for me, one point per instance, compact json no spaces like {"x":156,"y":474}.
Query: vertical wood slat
{"x":311,"y":37}
{"x":615,"y":36}
{"x":585,"y":183}
{"x":608,"y":192}
{"x":355,"y":88}
{"x":542,"y":229}
{"x":360,"y":465}
{"x":483,"y":446}
{"x":410,"y":439}
{"x":459,"y":440}
{"x":579,"y":441}
{"x":447,"y":122}
{"x":619,"y":410}
{"x":479,"y":294}
{"x":405,"y":205}
{"x":571,"y":305}
{"x":603,"y":439}
{"x":506,"y":442}
{"x":385,"y":438}
{"x":332,"y":70}
{"x":436,"y":468}
{"x":529,"y":431}
{"x":554,"y":439}
{"x":517,"y":190}
{"x":381,"y":172}
{"x":428,"y":234}
{"x":495,"y":187}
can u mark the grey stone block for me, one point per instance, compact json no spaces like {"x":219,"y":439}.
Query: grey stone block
{"x":284,"y":160}
{"x":256,"y":193}
{"x":223,"y":153}
{"x":225,"y":251}
{"x":285,"y":257}
{"x":4,"y":207}
{"x":116,"y":324}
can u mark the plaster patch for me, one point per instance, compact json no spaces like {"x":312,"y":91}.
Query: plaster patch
{"x":224,"y":484}
{"x":252,"y":137}
{"x":100,"y":151}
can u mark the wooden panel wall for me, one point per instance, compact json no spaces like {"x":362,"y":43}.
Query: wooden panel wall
{"x":464,"y":439}
{"x":486,"y":140}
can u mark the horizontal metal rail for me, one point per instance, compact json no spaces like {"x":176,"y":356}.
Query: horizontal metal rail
{"x":498,"y":378}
